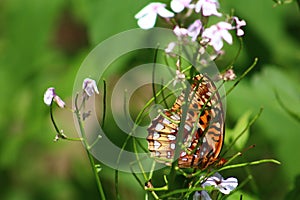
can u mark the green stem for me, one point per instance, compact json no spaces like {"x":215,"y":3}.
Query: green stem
{"x":60,"y":133}
{"x":250,"y":163}
{"x":104,"y":104}
{"x":180,"y":135}
{"x":91,"y":159}
{"x":242,"y":76}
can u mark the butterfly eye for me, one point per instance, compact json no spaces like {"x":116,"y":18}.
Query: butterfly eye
{"x":203,"y":139}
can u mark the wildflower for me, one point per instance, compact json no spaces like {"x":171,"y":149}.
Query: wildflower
{"x":208,"y":7}
{"x":194,"y":29}
{"x":170,"y":47}
{"x":180,"y":32}
{"x":178,"y":5}
{"x":223,"y":185}
{"x":216,"y":33}
{"x":89,"y":86}
{"x":239,"y":24}
{"x":201,"y":195}
{"x":229,"y":75}
{"x":147,"y":16}
{"x":50,"y":96}
{"x":179,"y":77}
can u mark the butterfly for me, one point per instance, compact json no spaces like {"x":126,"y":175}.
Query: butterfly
{"x":203,"y":128}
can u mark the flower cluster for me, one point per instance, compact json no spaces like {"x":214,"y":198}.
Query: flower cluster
{"x":213,"y":36}
{"x":217,"y":182}
{"x":89,"y":88}
{"x":209,"y":36}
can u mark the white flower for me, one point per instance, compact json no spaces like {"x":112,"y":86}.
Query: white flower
{"x":180,"y":32}
{"x":201,"y":195}
{"x":90,"y":87}
{"x":147,"y":16}
{"x":239,"y":24}
{"x":179,"y":77}
{"x":194,"y":29}
{"x":170,"y":47}
{"x":217,"y":33}
{"x":208,"y":7}
{"x":50,"y":96}
{"x":229,"y":75}
{"x":178,"y":5}
{"x":223,"y":185}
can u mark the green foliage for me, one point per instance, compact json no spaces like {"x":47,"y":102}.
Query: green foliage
{"x":295,"y":192}
{"x":240,"y":131}
{"x":34,"y":55}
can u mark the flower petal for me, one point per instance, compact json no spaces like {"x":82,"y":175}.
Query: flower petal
{"x":201,"y":195}
{"x":239,"y":24}
{"x":170,"y":47}
{"x":217,"y":44}
{"x":227,"y":185}
{"x":239,"y":32}
{"x":208,"y":7}
{"x":49,"y":95}
{"x":147,"y":16}
{"x":226,"y":36}
{"x":180,"y":32}
{"x":144,"y":11}
{"x":59,"y":101}
{"x":177,"y":6}
{"x":148,"y":21}
{"x":194,"y":29}
{"x":161,"y":11}
{"x":90,"y":87}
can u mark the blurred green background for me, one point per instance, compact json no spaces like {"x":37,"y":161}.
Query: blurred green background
{"x":42,"y":44}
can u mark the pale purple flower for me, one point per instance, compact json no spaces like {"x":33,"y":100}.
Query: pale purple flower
{"x":50,"y":96}
{"x":170,"y":47}
{"x":90,"y":87}
{"x":239,"y":24}
{"x":179,"y":77}
{"x":180,"y":32}
{"x":208,"y":7}
{"x":178,"y":5}
{"x":194,"y":29}
{"x":229,"y":75}
{"x":223,"y":185}
{"x":217,"y":33}
{"x":147,"y":16}
{"x":201,"y":195}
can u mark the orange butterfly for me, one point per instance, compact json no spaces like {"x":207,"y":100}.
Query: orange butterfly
{"x":203,"y":133}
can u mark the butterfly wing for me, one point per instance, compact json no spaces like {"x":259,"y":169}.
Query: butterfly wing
{"x":203,"y":129}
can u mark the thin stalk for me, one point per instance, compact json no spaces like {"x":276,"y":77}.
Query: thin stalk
{"x":237,"y":54}
{"x":178,"y":191}
{"x":180,"y":134}
{"x":138,"y":160}
{"x":91,"y":159}
{"x":249,"y":163}
{"x":117,"y":183}
{"x":242,"y":76}
{"x":104,"y":104}
{"x":153,"y":74}
{"x":60,"y":134}
{"x":245,"y":129}
{"x":288,"y":111}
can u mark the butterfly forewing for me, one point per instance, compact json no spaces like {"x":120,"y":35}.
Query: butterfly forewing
{"x":203,"y":129}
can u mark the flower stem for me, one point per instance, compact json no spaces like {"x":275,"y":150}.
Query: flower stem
{"x":87,"y":148}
